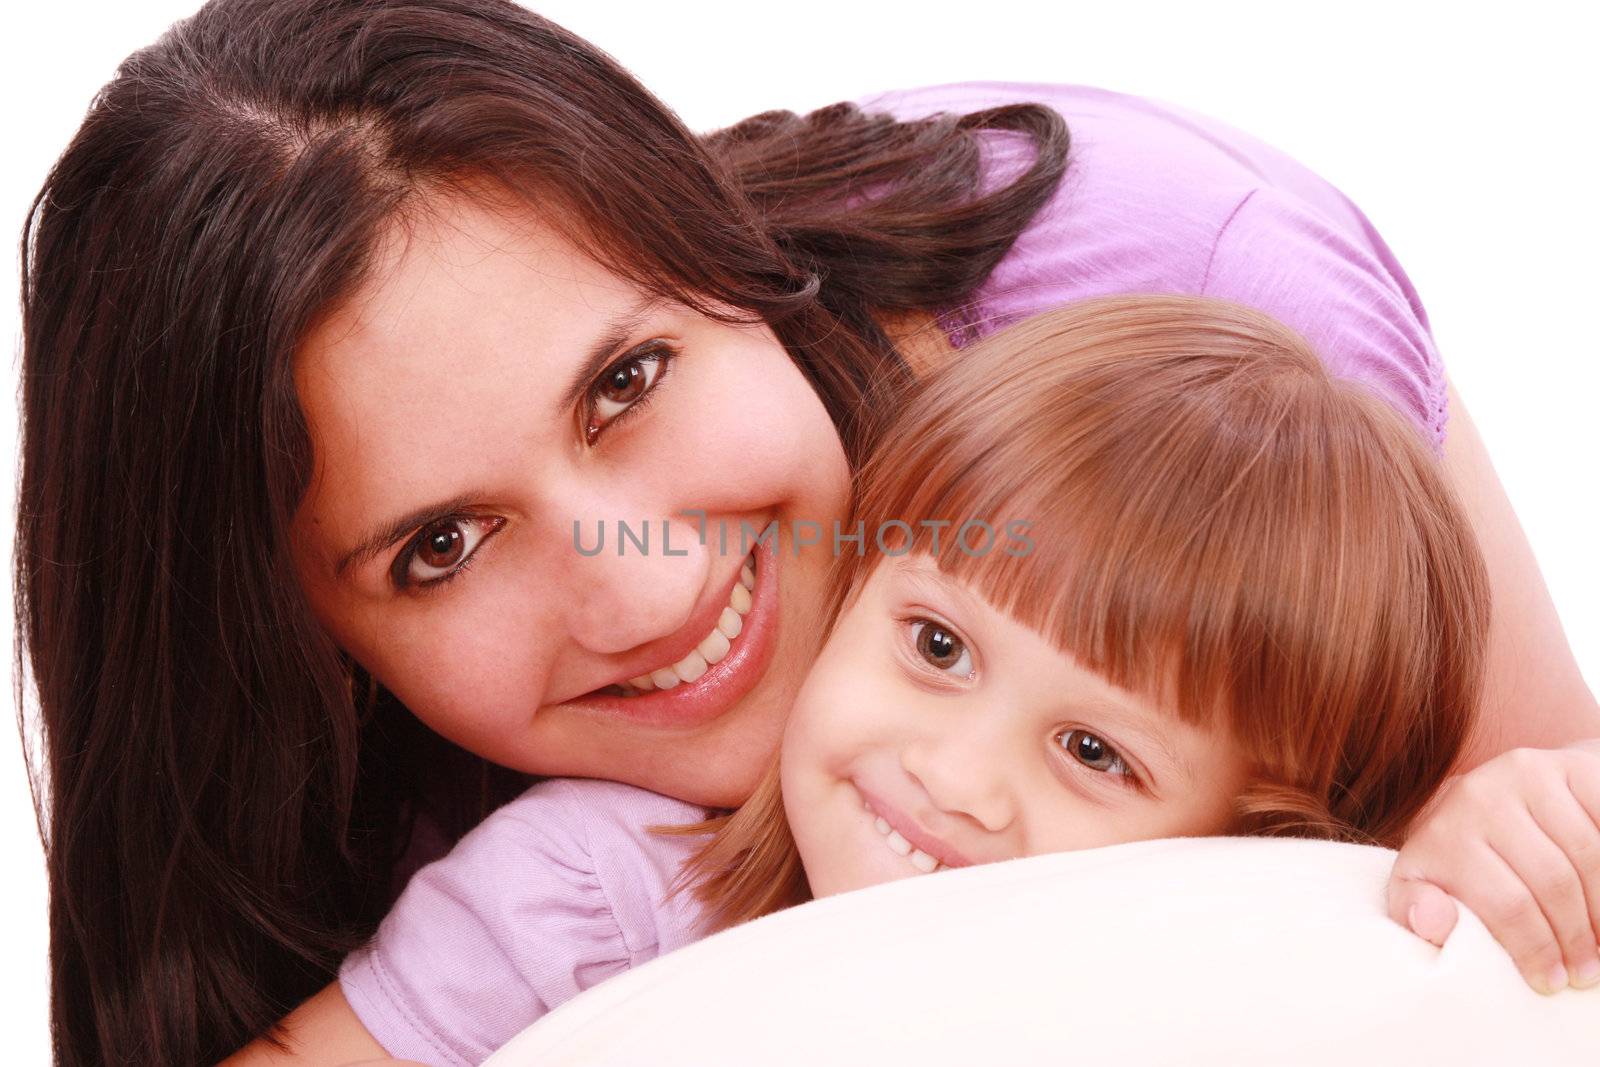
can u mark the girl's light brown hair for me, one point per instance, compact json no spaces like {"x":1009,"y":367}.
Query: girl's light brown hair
{"x":1218,"y":525}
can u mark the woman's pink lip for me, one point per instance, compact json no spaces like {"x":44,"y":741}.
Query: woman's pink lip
{"x":665,"y":651}
{"x":725,"y":682}
{"x":911,"y":830}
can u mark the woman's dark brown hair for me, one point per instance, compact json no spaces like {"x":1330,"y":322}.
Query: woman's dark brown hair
{"x":223,"y":795}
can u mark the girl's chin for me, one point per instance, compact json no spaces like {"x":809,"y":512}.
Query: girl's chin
{"x":850,"y":881}
{"x":856,"y":857}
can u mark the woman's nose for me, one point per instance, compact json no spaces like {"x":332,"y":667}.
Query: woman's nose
{"x":631,"y":581}
{"x":967,"y":771}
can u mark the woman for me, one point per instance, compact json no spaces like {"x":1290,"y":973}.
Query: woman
{"x":328,"y":300}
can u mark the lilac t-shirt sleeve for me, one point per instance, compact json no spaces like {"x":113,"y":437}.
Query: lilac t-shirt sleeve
{"x":553,"y":893}
{"x":1281,"y":257}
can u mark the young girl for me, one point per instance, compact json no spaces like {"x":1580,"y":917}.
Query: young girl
{"x":1138,"y":568}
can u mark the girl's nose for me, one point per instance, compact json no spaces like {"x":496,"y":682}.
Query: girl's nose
{"x":967,"y":772}
{"x":632,"y":581}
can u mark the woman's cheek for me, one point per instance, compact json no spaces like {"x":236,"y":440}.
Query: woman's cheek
{"x":756,"y":425}
{"x":467,"y":659}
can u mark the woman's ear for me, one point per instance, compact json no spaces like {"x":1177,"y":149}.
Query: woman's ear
{"x":919,"y":339}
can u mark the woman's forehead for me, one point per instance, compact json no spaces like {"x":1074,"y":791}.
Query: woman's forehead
{"x":458,"y":275}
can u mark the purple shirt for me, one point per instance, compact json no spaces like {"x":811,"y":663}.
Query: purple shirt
{"x":558,"y":890}
{"x":1159,"y":200}
{"x":564,"y":887}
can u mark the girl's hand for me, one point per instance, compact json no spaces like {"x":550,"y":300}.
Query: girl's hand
{"x":1517,"y":840}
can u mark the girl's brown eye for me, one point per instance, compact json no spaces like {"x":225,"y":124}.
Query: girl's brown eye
{"x":1095,"y":753}
{"x":940,"y":648}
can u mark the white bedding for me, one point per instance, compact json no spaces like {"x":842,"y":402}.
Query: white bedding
{"x":1199,"y":951}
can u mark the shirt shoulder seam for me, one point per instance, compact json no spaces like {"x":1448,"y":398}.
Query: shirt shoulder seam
{"x":1211,"y":260}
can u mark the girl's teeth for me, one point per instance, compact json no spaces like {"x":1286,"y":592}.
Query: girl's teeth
{"x":714,"y":649}
{"x":901,"y":847}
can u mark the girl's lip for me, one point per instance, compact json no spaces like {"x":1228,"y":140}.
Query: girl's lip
{"x":910,"y":829}
{"x":725,"y":682}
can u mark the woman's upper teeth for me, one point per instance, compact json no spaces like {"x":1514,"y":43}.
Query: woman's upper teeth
{"x":713,"y":648}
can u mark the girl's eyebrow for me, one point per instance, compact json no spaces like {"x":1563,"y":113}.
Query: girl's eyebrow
{"x":1132,"y":723}
{"x":1126,"y":718}
{"x":604,"y":350}
{"x":393,"y":530}
{"x":935,"y":583}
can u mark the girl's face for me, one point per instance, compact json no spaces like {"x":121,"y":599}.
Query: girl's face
{"x":489,"y":390}
{"x":935,"y":730}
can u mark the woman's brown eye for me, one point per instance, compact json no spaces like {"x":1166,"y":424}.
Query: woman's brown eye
{"x":624,"y":385}
{"x":441,"y":550}
{"x":441,"y":545}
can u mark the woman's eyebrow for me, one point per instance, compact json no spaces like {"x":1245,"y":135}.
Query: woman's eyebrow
{"x":604,"y":350}
{"x":389,"y":532}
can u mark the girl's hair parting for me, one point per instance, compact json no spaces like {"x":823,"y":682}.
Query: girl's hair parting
{"x":224,"y":795}
{"x":1216,"y":523}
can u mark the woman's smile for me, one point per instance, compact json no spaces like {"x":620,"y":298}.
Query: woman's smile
{"x":716,"y":659}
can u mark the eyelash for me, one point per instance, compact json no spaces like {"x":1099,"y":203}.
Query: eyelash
{"x":1128,"y":779}
{"x":658,"y":351}
{"x":400,"y":569}
{"x":912,"y":633}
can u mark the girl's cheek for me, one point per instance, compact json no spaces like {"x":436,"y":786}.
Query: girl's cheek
{"x":823,"y":700}
{"x":848,"y":706}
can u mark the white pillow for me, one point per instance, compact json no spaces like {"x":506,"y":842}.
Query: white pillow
{"x":1190,"y":951}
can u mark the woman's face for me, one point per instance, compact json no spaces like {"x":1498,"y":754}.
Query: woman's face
{"x":934,"y":730}
{"x":484,"y":405}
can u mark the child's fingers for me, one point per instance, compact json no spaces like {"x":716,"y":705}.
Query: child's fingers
{"x":1511,"y":883}
{"x":1422,"y":907}
{"x":1583,"y":782}
{"x":1563,"y":819}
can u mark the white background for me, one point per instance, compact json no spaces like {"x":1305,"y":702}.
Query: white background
{"x":1466,"y":134}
